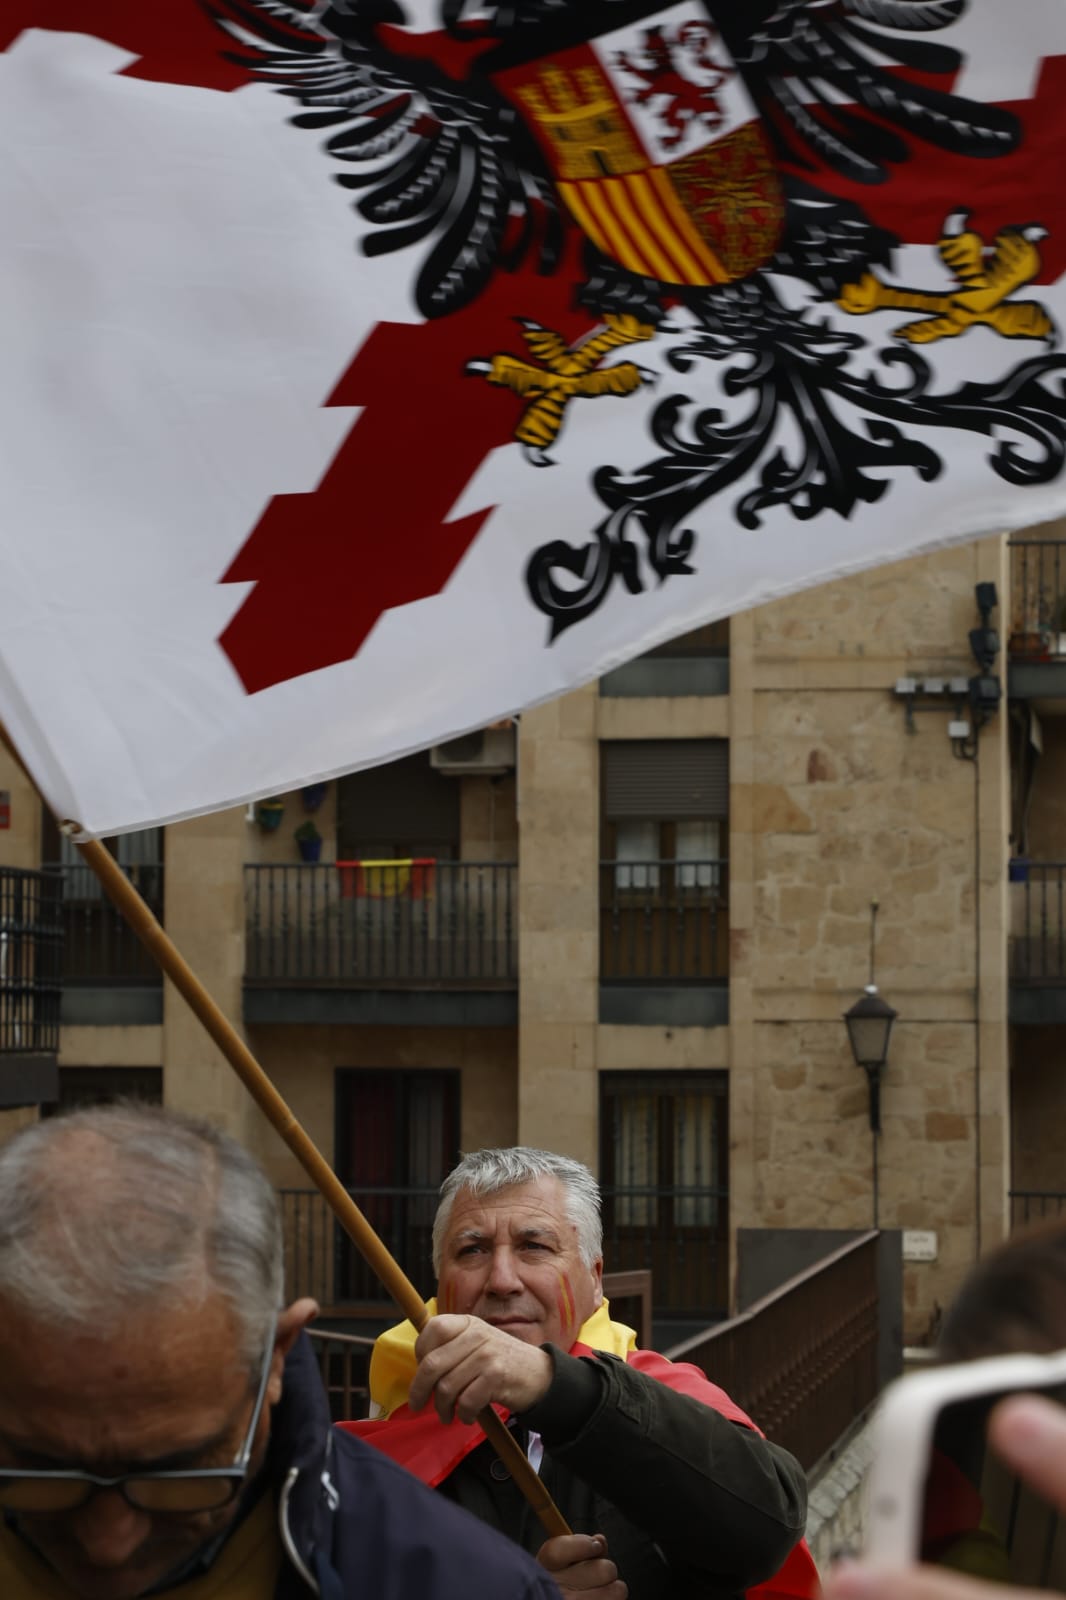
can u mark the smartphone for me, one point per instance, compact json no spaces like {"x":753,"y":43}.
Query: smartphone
{"x":937,"y":1493}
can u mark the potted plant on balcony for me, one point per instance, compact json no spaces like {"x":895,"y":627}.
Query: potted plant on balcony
{"x":308,"y":841}
{"x":268,"y":814}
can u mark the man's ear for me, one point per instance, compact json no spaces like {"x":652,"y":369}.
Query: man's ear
{"x":597,"y":1283}
{"x":291,"y":1323}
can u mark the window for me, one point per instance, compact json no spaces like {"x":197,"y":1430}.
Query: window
{"x":140,"y":855}
{"x":663,"y":885}
{"x":637,"y":850}
{"x":99,"y":946}
{"x":404,"y":808}
{"x":397,"y":1139}
{"x":665,"y":778}
{"x":663,"y":1164}
{"x":664,"y":807}
{"x":697,"y":850}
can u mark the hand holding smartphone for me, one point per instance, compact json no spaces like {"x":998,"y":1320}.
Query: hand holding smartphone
{"x":939,"y":1493}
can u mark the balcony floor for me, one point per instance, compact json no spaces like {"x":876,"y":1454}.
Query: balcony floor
{"x":405,"y":1007}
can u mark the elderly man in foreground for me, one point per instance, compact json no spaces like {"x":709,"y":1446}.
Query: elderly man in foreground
{"x":163,"y":1429}
{"x":667,"y":1486}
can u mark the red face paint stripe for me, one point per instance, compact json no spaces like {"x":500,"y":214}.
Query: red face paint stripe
{"x":568,"y":1298}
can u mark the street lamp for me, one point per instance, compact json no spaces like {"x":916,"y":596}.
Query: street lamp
{"x":869,"y":1024}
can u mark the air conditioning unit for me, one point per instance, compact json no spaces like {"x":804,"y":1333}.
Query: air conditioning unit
{"x":489,"y":753}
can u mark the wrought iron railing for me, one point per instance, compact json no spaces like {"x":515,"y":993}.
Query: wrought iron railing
{"x":1034,"y":1205}
{"x":344,"y":1358}
{"x":664,"y":921}
{"x":1038,"y":598}
{"x":679,"y":1236}
{"x":803,"y":1362}
{"x":99,"y":946}
{"x":446,"y":924}
{"x":321,"y":1261}
{"x":1038,"y":924}
{"x":31,"y":947}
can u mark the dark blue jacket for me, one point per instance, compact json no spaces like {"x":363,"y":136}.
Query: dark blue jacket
{"x":355,"y":1526}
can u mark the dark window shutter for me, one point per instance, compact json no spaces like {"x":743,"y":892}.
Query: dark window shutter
{"x":404,"y":801}
{"x":710,"y":640}
{"x":666,"y":778}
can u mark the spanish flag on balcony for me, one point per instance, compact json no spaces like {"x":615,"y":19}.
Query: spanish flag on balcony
{"x":399,"y":877}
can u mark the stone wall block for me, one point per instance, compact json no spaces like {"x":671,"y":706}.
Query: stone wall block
{"x":775,"y":811}
{"x":941,"y":1126}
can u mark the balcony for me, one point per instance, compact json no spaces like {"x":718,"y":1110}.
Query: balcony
{"x":31,"y":943}
{"x":1038,"y":944}
{"x":664,"y":942}
{"x":432,"y":942}
{"x":1030,"y":1206}
{"x":108,"y":975}
{"x":1036,"y":644}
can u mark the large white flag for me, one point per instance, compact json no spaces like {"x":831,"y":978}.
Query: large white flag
{"x":372,"y":369}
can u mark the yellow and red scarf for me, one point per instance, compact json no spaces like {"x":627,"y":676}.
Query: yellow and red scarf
{"x":420,"y":1442}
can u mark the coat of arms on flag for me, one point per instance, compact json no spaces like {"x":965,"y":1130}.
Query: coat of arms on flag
{"x":712,"y":157}
{"x":656,"y":149}
{"x":565,"y":324}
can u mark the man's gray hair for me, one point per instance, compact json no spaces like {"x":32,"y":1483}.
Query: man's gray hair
{"x":488,"y":1171}
{"x":107,"y":1211}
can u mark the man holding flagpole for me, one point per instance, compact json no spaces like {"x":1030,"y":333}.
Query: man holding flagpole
{"x":668,"y":1487}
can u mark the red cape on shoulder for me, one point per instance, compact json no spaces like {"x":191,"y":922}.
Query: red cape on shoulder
{"x":420,"y":1442}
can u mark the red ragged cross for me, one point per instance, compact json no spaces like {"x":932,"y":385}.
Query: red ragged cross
{"x":374,"y":533}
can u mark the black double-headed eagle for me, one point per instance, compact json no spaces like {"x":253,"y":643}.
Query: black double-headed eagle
{"x":594,"y":139}
{"x":436,"y":154}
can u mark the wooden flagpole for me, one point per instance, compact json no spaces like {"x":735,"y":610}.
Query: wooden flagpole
{"x":167,"y":956}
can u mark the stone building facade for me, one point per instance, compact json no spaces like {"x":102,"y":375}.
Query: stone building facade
{"x":634,"y":938}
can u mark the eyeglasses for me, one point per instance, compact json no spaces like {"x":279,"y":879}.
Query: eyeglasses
{"x":163,"y":1493}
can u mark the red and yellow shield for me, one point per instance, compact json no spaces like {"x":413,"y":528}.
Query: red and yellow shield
{"x":657,"y":149}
